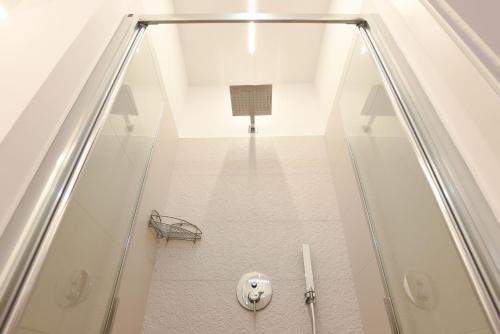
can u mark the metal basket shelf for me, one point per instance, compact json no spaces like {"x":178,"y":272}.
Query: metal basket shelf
{"x":177,"y":229}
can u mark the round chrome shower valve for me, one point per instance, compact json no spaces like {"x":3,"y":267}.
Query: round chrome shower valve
{"x":254,"y":291}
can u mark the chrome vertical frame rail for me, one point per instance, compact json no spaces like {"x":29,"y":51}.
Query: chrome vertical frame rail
{"x":31,"y":230}
{"x":453,"y":197}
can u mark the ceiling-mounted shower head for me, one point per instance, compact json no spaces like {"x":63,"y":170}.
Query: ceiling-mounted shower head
{"x":251,"y":100}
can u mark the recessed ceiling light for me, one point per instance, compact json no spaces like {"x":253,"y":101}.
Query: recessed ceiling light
{"x":251,"y":28}
{"x":251,"y":38}
{"x":363,"y":49}
{"x":3,"y":13}
{"x":251,"y":6}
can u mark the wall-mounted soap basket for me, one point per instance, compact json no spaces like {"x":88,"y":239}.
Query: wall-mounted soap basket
{"x":173,"y":228}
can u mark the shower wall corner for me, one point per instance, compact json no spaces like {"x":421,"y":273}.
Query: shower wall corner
{"x":366,"y":275}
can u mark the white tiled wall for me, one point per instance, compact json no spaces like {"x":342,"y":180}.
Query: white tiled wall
{"x":256,"y":200}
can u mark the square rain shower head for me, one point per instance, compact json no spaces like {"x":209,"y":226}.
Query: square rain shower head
{"x":251,"y":100}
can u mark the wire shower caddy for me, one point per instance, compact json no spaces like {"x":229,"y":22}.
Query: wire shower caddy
{"x":177,"y":229}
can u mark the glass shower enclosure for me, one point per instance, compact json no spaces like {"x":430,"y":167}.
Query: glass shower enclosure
{"x":436,"y":250}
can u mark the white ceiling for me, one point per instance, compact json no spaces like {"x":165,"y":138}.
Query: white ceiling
{"x":214,"y":54}
{"x":285,"y":53}
{"x":262,"y":6}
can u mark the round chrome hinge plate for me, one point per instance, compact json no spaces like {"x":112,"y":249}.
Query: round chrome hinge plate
{"x":256,"y":287}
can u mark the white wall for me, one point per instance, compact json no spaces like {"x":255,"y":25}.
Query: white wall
{"x":165,"y":39}
{"x":284,"y":53}
{"x":207,"y":113}
{"x":466,"y":103}
{"x":256,"y":201}
{"x":35,"y":38}
{"x":474,"y":28}
{"x":362,"y":257}
{"x":335,"y":47}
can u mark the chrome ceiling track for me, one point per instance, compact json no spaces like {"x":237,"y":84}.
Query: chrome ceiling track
{"x":31,"y":230}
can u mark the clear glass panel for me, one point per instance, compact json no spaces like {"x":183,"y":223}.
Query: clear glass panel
{"x":74,"y":289}
{"x":427,"y":280}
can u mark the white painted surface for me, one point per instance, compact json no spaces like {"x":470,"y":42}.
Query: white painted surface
{"x":257,"y":200}
{"x":261,"y":6}
{"x":284,"y":53}
{"x":35,"y":37}
{"x":466,"y":103}
{"x":336,"y":43}
{"x":475,"y":28}
{"x":31,"y":50}
{"x":169,"y":55}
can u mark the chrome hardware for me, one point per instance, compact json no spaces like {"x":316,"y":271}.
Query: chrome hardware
{"x":310,"y":294}
{"x":254,"y":297}
{"x":173,"y":228}
{"x":310,"y":297}
{"x":254,"y":291}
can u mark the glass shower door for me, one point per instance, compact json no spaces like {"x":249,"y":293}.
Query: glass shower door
{"x":426,"y":278}
{"x":74,"y":290}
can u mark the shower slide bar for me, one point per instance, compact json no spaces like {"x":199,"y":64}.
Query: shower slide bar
{"x":31,"y":229}
{"x":310,"y":294}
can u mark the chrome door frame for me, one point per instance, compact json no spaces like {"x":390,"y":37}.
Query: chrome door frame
{"x":31,"y":230}
{"x":27,"y":237}
{"x":451,"y":182}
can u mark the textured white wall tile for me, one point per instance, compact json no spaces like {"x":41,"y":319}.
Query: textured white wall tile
{"x":273,"y":247}
{"x":253,"y":197}
{"x":256,"y":203}
{"x":211,"y":307}
{"x":244,"y":155}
